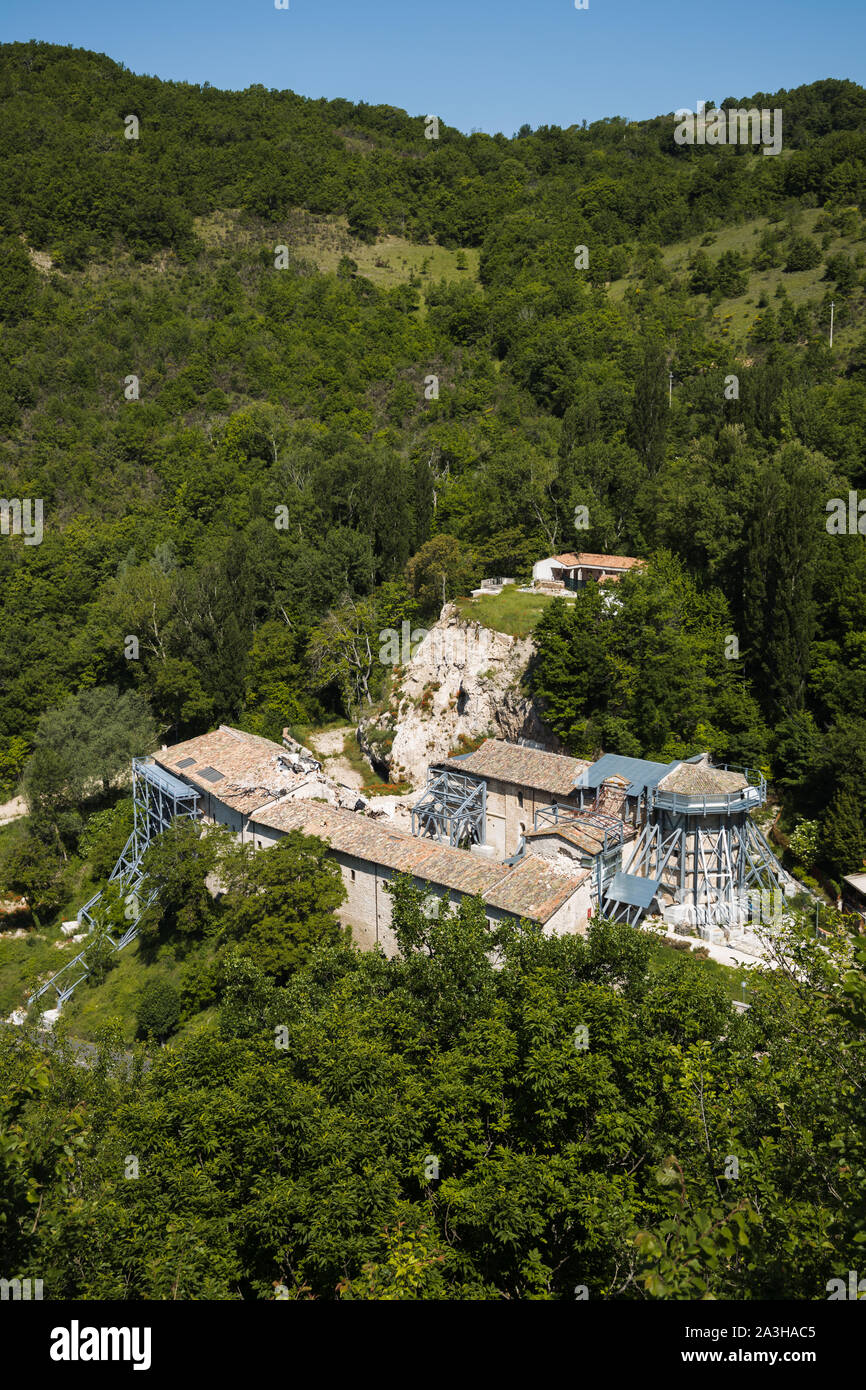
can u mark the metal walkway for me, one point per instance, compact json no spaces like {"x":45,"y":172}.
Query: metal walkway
{"x":158,"y":799}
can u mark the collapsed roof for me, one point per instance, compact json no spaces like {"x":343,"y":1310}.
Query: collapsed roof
{"x":243,"y":770}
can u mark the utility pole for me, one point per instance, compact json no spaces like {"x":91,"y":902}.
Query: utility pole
{"x":670,"y":390}
{"x":832,"y":315}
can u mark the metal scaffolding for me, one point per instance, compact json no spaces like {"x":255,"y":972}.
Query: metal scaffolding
{"x":158,"y":799}
{"x":558,"y":814}
{"x":606,"y":860}
{"x":702,"y":850}
{"x":631,"y":891}
{"x":453,"y":808}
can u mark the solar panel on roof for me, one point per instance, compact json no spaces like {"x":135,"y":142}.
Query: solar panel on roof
{"x":186,"y":762}
{"x":210,"y":774}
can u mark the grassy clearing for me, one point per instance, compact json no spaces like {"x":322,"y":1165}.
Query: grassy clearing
{"x":92,"y":1006}
{"x":731,"y":978}
{"x":735,"y":317}
{"x":510,"y":611}
{"x":323,"y":241}
{"x":117,"y":996}
{"x":24,"y":961}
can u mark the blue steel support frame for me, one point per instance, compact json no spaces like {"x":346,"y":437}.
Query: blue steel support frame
{"x":158,"y":799}
{"x":453,"y":807}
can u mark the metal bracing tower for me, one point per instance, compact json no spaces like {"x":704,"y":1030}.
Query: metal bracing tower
{"x":632,"y":890}
{"x":703,"y":850}
{"x":453,"y":808}
{"x":157,"y":799}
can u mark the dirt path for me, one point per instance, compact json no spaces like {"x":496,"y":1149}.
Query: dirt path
{"x":328,"y":744}
{"x":11,"y":810}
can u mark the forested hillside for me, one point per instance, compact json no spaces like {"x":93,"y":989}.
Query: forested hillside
{"x":426,"y":1128}
{"x":239,"y":449}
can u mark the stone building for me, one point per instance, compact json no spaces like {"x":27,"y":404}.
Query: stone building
{"x":517,"y":782}
{"x":237,"y":774}
{"x":535,"y":834}
{"x":262,"y":792}
{"x":550,"y":838}
{"x":560,"y":572}
{"x":675,"y":837}
{"x":371,"y":853}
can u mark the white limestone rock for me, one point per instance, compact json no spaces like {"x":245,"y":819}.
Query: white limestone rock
{"x":463,"y":681}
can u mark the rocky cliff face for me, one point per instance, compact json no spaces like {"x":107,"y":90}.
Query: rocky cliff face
{"x":461,"y":685}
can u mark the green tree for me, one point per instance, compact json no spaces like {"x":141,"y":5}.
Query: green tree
{"x":343,"y":650}
{"x":803,"y":254}
{"x":19,"y":281}
{"x":439,"y":571}
{"x":648,"y":422}
{"x":779,"y":606}
{"x":32,"y":867}
{"x":805,"y":843}
{"x":843,"y":836}
{"x":289,"y":906}
{"x":81,"y":748}
{"x":176,"y":867}
{"x":158,"y":1012}
{"x":105,"y":836}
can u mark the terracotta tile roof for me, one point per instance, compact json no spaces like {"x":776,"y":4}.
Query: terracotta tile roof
{"x":579,"y":831}
{"x":589,"y":838}
{"x":533,"y":888}
{"x":693,"y":779}
{"x":602,"y":562}
{"x":523,"y":767}
{"x":253,"y":769}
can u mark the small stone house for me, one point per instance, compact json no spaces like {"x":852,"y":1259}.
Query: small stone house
{"x":519,"y":781}
{"x":560,"y":572}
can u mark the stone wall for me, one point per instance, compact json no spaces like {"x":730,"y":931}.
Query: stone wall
{"x":367,"y":909}
{"x":511,"y":814}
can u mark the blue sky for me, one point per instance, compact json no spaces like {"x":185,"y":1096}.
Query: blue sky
{"x":486,"y":64}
